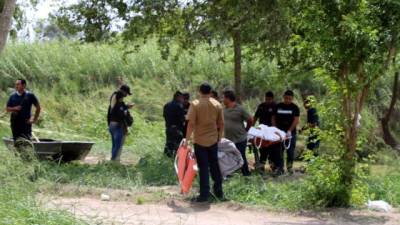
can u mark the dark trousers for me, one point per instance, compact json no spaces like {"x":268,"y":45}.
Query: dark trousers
{"x":313,"y":144}
{"x":276,"y":156}
{"x":241,"y":146}
{"x":207,"y":161}
{"x":265,"y":153}
{"x":20,"y":128}
{"x":174,"y":136}
{"x":290,"y":152}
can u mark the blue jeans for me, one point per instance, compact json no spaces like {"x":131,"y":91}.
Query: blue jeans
{"x":117,"y":138}
{"x":241,"y":146}
{"x":207,"y":161}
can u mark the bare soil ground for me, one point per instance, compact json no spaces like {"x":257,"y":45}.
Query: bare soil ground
{"x":95,"y":211}
{"x":145,"y":207}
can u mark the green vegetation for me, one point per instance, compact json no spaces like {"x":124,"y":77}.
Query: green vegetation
{"x":151,"y":170}
{"x":17,"y":195}
{"x":74,"y":82}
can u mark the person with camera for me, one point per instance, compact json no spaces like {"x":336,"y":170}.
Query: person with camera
{"x":119,"y":119}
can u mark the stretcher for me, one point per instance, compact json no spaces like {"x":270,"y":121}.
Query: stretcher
{"x":264,"y":136}
{"x":256,"y":141}
{"x":185,"y":167}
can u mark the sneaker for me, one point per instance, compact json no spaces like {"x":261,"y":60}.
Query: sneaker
{"x":247,"y":174}
{"x":199,"y":199}
{"x":219,"y":198}
{"x":278,"y":173}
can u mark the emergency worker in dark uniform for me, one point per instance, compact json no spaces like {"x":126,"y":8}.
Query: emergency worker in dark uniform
{"x":174,"y":115}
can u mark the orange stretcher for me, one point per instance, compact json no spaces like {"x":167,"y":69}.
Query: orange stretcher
{"x":185,"y":167}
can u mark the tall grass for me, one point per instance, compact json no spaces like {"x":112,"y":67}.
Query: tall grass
{"x":59,"y":63}
{"x":17,"y":195}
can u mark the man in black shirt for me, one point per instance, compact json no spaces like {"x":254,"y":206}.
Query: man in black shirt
{"x":264,"y":114}
{"x":20,"y":106}
{"x":174,"y":115}
{"x":312,"y":125}
{"x":286,"y":118}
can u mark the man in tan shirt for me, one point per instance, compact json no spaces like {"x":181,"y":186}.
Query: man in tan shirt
{"x":206,"y":121}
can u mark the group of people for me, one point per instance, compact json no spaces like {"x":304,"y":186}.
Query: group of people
{"x":209,"y":121}
{"x":205,"y":118}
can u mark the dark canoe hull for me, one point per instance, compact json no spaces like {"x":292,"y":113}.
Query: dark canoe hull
{"x":65,"y":151}
{"x":45,"y":149}
{"x":74,"y":150}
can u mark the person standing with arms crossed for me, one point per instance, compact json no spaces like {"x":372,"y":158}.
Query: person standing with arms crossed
{"x":206,"y":123}
{"x":286,"y":118}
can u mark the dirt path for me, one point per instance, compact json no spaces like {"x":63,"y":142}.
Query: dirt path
{"x":176,"y":212}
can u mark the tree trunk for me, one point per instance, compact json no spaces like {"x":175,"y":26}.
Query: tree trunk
{"x":238,"y":64}
{"x":351,"y":106}
{"x":387,"y":135}
{"x":6,"y":13}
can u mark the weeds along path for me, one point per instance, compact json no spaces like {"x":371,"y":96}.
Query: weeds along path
{"x":174,"y":212}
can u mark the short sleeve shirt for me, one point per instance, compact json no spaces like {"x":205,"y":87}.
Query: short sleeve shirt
{"x":26,"y":100}
{"x":206,"y":113}
{"x":265,"y":112}
{"x":174,"y":114}
{"x":285,"y":115}
{"x":312,"y":116}
{"x":234,"y":123}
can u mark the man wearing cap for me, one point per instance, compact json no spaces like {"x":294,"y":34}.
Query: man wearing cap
{"x":117,"y":115}
{"x":174,"y":115}
{"x":206,"y":122}
{"x":20,"y":106}
{"x":286,"y":118}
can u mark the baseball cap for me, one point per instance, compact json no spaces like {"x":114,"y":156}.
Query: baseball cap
{"x":125,"y":88}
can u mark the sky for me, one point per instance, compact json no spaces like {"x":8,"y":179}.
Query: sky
{"x":40,"y":12}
